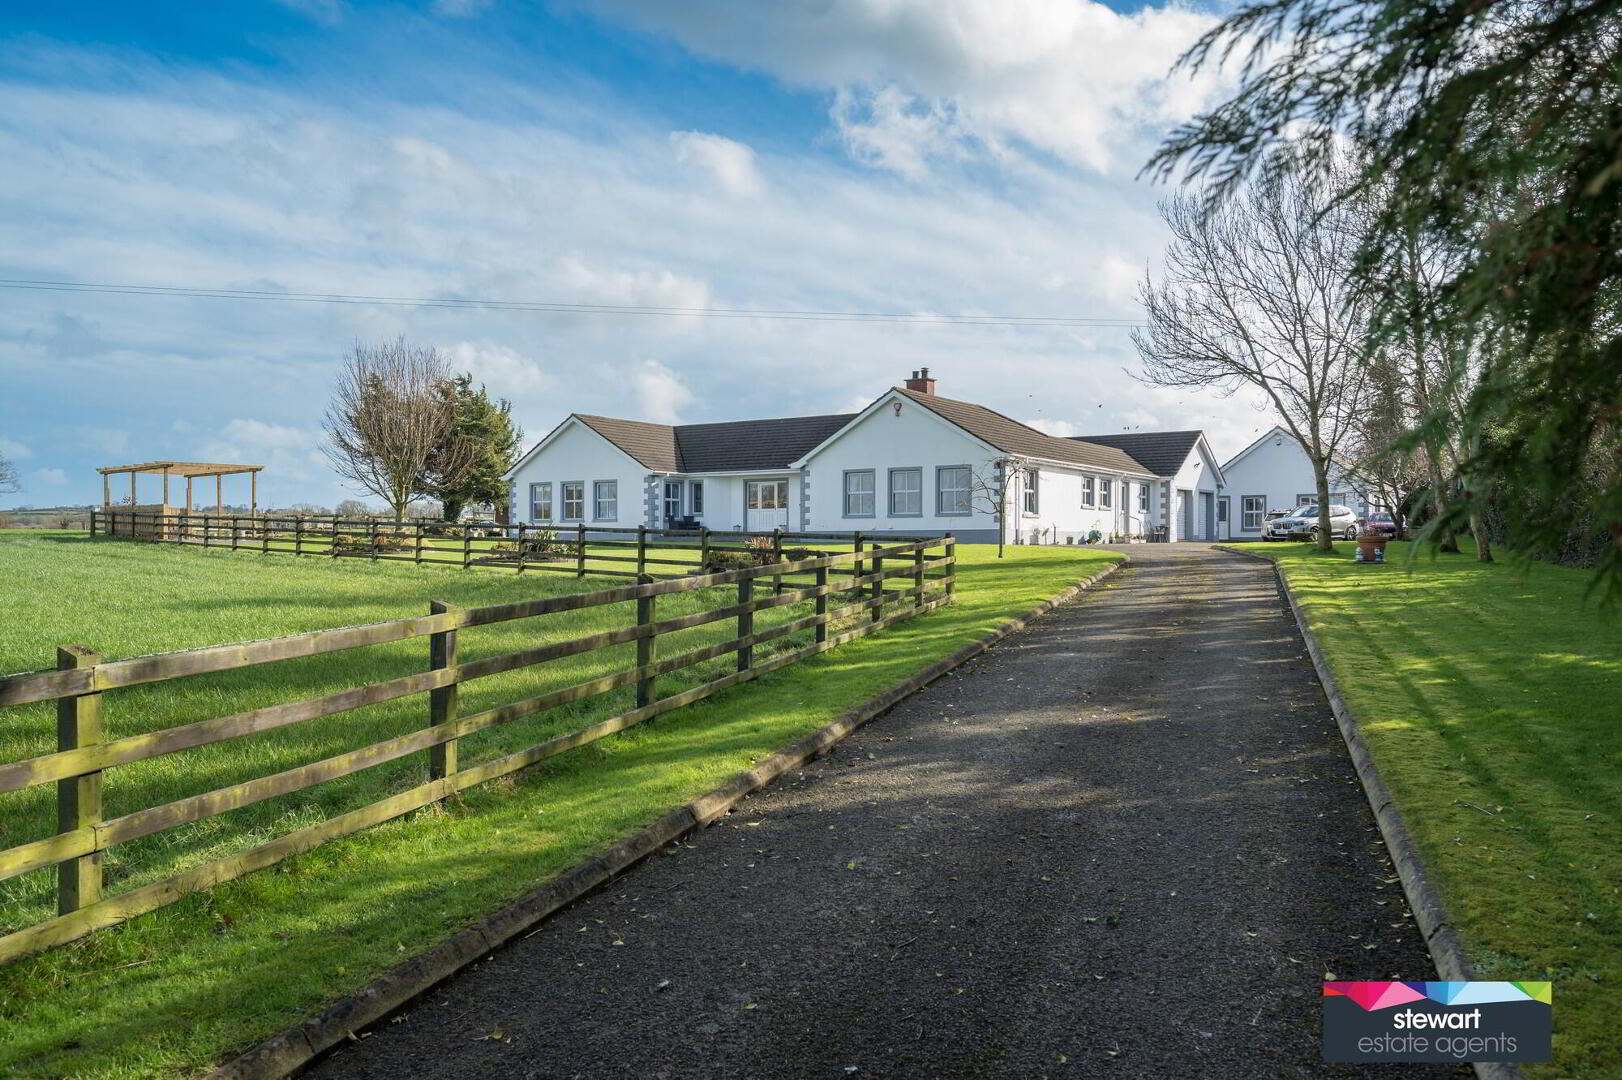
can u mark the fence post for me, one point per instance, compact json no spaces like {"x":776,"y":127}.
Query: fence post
{"x":644,"y":645}
{"x":856,"y":567}
{"x":746,"y":623}
{"x":92,"y":522}
{"x":580,"y":550}
{"x":703,"y":549}
{"x":641,"y":551}
{"x":918,"y":576}
{"x":78,"y":798}
{"x":236,"y":532}
{"x":777,"y":557}
{"x":822,"y":603}
{"x":418,"y":553}
{"x":467,"y":546}
{"x":878,"y":585}
{"x":441,"y":700}
{"x":374,"y":534}
{"x":298,"y":535}
{"x":521,"y":549}
{"x":951,"y":565}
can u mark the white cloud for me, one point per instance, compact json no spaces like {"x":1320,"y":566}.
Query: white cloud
{"x":11,"y":448}
{"x":1061,"y":428}
{"x":919,"y":79}
{"x":51,"y":477}
{"x":730,"y":164}
{"x":165,"y":177}
{"x":660,"y":393}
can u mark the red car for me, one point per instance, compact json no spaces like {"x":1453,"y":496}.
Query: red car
{"x":1380,"y":523}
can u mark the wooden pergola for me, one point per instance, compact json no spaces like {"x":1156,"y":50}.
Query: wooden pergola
{"x":191,"y":470}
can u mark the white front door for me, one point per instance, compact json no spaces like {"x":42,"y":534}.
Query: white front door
{"x":765,"y":505}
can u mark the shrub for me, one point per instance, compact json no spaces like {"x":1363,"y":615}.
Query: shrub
{"x":720,"y":562}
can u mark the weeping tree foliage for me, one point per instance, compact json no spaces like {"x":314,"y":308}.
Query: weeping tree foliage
{"x":1495,"y":128}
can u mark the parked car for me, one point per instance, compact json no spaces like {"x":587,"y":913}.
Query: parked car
{"x":1303,"y":524}
{"x":1267,"y":523}
{"x":1380,"y":523}
{"x":484,"y":528}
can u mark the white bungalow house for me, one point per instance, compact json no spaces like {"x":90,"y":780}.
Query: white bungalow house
{"x":1274,"y":473}
{"x":1189,"y":478}
{"x":912,"y":462}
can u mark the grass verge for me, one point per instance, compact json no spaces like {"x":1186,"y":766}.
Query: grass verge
{"x":1491,"y":698}
{"x":176,"y":991}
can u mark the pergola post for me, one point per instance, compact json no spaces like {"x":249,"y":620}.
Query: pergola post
{"x":188,"y":494}
{"x":106,"y":492}
{"x":165,"y":507}
{"x":132,"y":489}
{"x":219,"y":495}
{"x":253,"y":492}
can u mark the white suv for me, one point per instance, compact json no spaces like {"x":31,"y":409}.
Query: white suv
{"x":1303,"y":524}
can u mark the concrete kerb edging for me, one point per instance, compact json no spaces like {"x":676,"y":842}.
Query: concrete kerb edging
{"x":289,"y":1050}
{"x":1423,"y":899}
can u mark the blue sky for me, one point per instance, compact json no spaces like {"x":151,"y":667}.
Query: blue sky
{"x":964,"y":156}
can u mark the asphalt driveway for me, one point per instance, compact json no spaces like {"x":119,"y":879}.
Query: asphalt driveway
{"x":1126,"y":842}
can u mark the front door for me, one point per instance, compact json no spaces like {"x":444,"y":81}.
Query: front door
{"x":765,"y":505}
{"x":1224,"y":513}
{"x":1185,"y":515}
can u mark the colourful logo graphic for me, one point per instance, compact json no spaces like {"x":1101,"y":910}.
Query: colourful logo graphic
{"x":1438,"y":1021}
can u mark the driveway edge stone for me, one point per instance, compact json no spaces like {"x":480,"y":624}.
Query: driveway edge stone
{"x":1452,"y":964}
{"x":291,"y":1049}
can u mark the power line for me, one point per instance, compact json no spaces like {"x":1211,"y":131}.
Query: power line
{"x":202,"y":293}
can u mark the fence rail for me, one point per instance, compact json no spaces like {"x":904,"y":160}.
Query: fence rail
{"x":576,"y":548}
{"x":83,"y":754}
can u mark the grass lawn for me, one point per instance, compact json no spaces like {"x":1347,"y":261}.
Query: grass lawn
{"x":1491,"y":698}
{"x":178,"y":990}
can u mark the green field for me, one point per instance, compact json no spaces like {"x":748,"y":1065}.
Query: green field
{"x":1491,"y":699}
{"x":179,"y":989}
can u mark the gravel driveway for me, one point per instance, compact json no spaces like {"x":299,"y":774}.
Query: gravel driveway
{"x":1126,"y":842}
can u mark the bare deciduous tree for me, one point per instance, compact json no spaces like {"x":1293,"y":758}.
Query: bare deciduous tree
{"x":1257,"y":294}
{"x":988,"y":493}
{"x":388,"y":418}
{"x":9,"y":483}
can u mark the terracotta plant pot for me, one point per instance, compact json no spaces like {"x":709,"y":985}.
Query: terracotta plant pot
{"x":1371,"y":547}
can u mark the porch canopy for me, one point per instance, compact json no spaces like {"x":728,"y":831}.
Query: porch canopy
{"x":191,"y":470}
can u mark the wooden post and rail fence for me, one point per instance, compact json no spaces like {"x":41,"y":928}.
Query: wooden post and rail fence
{"x":82,"y":679}
{"x":571,"y":548}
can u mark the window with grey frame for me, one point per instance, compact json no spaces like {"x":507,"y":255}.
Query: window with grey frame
{"x":1089,"y":488}
{"x":695,"y":498}
{"x":1106,"y":493}
{"x":1251,"y":509}
{"x":574,"y":500}
{"x":906,"y":492}
{"x":1033,"y":491}
{"x":605,"y":500}
{"x":540,"y":501}
{"x":954,"y":491}
{"x":859,"y":493}
{"x":672,"y":501}
{"x":1143,"y":498}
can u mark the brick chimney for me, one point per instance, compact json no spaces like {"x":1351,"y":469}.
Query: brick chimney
{"x":921,"y":382}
